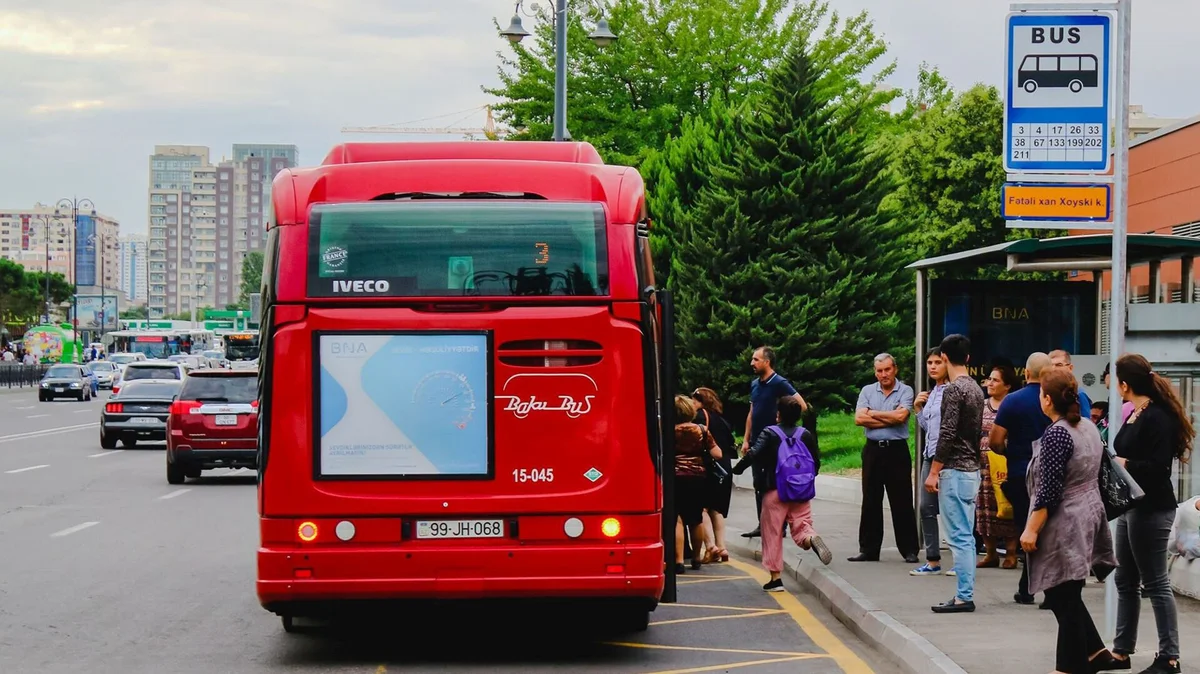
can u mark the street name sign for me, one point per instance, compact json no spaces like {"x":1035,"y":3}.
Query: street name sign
{"x":1058,"y":92}
{"x":1068,"y":202}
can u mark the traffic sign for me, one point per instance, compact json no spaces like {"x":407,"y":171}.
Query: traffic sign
{"x":1070,"y":202}
{"x":1058,"y":93}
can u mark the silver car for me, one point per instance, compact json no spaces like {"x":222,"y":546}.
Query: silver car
{"x":105,"y":372}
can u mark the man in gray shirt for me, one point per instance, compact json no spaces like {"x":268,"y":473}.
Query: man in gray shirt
{"x":882,"y":410}
{"x":954,"y":475}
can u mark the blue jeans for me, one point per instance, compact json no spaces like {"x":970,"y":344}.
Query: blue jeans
{"x":957,"y":491}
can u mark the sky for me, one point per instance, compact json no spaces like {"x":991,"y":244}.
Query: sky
{"x":90,"y":87}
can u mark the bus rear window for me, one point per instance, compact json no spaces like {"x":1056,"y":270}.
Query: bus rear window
{"x":456,"y":248}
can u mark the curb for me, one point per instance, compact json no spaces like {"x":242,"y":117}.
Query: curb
{"x":911,"y":650}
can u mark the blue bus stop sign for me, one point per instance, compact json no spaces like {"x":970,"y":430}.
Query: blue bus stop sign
{"x":1058,"y":93}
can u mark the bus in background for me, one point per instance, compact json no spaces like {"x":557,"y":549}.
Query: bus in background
{"x":461,"y":384}
{"x":158,"y":343}
{"x":241,"y":349}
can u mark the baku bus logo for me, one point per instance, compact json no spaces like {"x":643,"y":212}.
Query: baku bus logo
{"x":335,"y":256}
{"x":544,"y":394}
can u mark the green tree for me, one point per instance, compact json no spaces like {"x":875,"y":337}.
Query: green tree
{"x":252,"y":269}
{"x":847,"y":50}
{"x":136,"y":313}
{"x":673,"y":57}
{"x":950,"y":171}
{"x":787,"y":246}
{"x":23,"y":293}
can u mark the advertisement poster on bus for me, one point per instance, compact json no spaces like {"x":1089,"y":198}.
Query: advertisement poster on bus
{"x":93,"y":314}
{"x":404,"y":405}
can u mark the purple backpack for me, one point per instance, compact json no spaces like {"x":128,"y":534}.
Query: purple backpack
{"x":796,"y":472}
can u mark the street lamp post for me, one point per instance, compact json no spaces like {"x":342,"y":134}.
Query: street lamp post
{"x":201,"y":286}
{"x":602,"y":36}
{"x":102,"y":242}
{"x":46,"y":221}
{"x":74,"y":204}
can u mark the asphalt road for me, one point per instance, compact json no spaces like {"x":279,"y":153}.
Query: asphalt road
{"x":104,"y":567}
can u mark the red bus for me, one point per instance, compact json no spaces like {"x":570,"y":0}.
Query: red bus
{"x":462,"y":377}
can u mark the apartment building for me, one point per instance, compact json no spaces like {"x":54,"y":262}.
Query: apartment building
{"x":204,"y":218}
{"x":135,"y":267}
{"x":178,"y":254}
{"x":83,"y":248}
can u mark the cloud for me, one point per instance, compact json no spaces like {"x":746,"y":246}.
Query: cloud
{"x":70,"y":106}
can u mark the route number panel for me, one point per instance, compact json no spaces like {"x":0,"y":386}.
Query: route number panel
{"x":1057,"y":142}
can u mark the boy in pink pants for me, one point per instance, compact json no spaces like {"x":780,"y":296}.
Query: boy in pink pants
{"x":765,"y":455}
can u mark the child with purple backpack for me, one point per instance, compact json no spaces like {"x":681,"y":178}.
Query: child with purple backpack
{"x":787,"y":461}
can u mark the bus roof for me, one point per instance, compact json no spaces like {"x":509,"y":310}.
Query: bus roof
{"x":621,"y":188}
{"x":572,"y":153}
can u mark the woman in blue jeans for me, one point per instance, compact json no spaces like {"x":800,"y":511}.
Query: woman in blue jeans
{"x":1157,"y":433}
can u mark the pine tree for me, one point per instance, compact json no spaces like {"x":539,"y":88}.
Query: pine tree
{"x":787,"y":246}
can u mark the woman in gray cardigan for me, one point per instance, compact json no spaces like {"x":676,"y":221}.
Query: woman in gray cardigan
{"x":1067,"y":533}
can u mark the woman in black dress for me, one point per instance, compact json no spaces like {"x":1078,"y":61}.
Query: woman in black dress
{"x":717,"y":493}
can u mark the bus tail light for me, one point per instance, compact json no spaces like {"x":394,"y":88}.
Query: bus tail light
{"x":114,"y":408}
{"x":573,"y":527}
{"x":303,"y":573}
{"x":344,"y":530}
{"x":611,"y":527}
{"x":615,"y":568}
{"x":307,"y":532}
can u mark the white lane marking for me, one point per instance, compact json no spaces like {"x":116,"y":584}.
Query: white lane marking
{"x":50,"y":431}
{"x":84,"y":411}
{"x":27,"y":407}
{"x":36,"y":416}
{"x":115,"y":451}
{"x":71,"y":530}
{"x":22,"y":470}
{"x":177,"y":492}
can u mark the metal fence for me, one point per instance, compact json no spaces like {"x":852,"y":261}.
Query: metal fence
{"x":16,"y":375}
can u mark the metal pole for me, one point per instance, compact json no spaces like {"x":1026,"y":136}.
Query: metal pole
{"x":1117,"y":302}
{"x":918,"y":386}
{"x":46,"y":297}
{"x":560,"y":71}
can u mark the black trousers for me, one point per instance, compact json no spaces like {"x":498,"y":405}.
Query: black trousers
{"x":1018,"y":494}
{"x":1077,"y":634}
{"x":887,"y":467}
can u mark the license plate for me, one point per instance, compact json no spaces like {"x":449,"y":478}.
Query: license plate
{"x":226,"y":420}
{"x":59,"y":390}
{"x":460,"y":529}
{"x":143,"y":420}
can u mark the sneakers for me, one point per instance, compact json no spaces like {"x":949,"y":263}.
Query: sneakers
{"x":774,"y":586}
{"x":822,"y":550}
{"x":926,"y":570}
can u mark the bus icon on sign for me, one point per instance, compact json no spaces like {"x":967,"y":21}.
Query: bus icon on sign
{"x":1054,"y":71}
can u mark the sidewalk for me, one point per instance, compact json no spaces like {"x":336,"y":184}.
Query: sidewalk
{"x":890,"y":609}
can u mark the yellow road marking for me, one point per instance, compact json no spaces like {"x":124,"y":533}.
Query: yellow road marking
{"x":381,"y":670}
{"x":709,"y":579}
{"x":707,"y":649}
{"x":821,"y":636}
{"x":723,"y":608}
{"x":737,"y":665}
{"x":735,"y":616}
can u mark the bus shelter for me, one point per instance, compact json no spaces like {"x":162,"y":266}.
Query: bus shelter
{"x":1011,"y":319}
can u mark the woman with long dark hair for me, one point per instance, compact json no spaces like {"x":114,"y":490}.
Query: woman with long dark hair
{"x":718,"y":493}
{"x":1066,"y":536}
{"x":1157,"y":433}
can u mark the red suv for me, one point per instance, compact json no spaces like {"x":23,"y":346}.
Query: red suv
{"x":213,"y":423}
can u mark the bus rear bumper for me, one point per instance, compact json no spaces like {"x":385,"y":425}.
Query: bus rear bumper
{"x":291,"y":581}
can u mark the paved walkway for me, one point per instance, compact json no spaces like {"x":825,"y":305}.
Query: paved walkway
{"x":1001,"y":636}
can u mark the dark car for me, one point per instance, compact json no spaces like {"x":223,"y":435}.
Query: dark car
{"x":66,"y":381}
{"x":213,"y":424}
{"x":138,"y":412}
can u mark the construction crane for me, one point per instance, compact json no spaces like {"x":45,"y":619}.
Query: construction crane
{"x":489,"y":129}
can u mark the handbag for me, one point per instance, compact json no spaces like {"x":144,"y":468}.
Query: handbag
{"x":716,"y":472}
{"x":1119,"y":491}
{"x":998,"y":471}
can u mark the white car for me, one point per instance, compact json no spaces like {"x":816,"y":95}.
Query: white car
{"x":106,"y":372}
{"x":151,"y":369}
